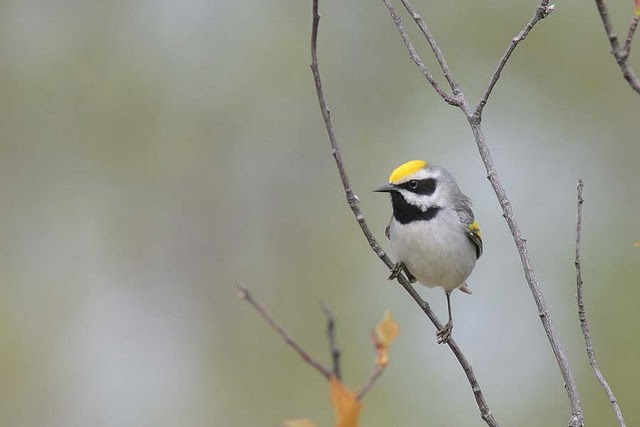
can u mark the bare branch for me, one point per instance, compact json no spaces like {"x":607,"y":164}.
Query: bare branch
{"x":331,"y":335}
{"x":620,"y":54}
{"x":632,"y":30}
{"x":372,"y":379}
{"x":529,"y":273}
{"x":584,"y":324}
{"x":474,"y":118}
{"x":521,"y":243}
{"x":352,"y":200}
{"x":608,"y":26}
{"x":434,"y":47}
{"x":541,"y":12}
{"x":415,"y":58}
{"x":354,"y":204}
{"x":244,"y":294}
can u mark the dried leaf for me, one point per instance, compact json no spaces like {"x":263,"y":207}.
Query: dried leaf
{"x":637,"y":244}
{"x":637,"y":7}
{"x":299,"y":422}
{"x":383,"y":336}
{"x":346,"y":406}
{"x":387,"y":329}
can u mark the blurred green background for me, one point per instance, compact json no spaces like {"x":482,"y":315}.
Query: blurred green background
{"x":153,"y":153}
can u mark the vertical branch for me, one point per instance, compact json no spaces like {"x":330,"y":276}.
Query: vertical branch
{"x":530,"y":276}
{"x":331,"y":335}
{"x":352,"y":200}
{"x":582,"y":315}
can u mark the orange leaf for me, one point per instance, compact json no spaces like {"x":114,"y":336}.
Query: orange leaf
{"x":387,"y":329}
{"x":637,"y":244}
{"x":383,"y":336}
{"x":299,"y":422}
{"x":637,"y":8}
{"x":346,"y":406}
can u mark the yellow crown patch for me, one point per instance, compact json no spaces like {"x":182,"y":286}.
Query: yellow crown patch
{"x":406,"y":169}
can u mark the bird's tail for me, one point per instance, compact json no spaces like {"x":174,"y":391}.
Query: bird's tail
{"x":465,"y":288}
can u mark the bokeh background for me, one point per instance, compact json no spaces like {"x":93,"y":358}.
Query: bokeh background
{"x":154,"y":153}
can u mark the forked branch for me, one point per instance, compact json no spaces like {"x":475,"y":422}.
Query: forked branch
{"x":474,"y":117}
{"x":434,"y":47}
{"x":245,"y":295}
{"x":416,"y":59}
{"x":621,"y":54}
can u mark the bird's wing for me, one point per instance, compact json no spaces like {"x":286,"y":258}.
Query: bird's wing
{"x":475,"y":236}
{"x":468,"y":219}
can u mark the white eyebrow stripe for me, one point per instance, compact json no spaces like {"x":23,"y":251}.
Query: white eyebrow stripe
{"x":421,"y":174}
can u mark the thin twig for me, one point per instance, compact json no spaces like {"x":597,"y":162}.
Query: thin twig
{"x":354,"y":204}
{"x":331,"y":335}
{"x":620,"y":54}
{"x":632,"y":30}
{"x":608,"y":26}
{"x":244,"y":294}
{"x":584,"y":324}
{"x":434,"y":47}
{"x":474,"y":118}
{"x":415,"y":58}
{"x":372,"y":379}
{"x":541,"y":12}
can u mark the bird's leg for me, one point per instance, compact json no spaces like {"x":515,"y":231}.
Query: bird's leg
{"x":445,"y":333}
{"x":398,"y":268}
{"x":409,"y":275}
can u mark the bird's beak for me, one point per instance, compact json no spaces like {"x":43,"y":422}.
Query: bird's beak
{"x":387,"y":188}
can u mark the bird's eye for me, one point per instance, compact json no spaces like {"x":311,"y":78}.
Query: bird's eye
{"x":413,"y":184}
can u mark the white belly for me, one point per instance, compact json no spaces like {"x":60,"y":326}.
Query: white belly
{"x":436,"y":252}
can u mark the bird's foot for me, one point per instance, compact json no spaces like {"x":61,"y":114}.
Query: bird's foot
{"x":398,"y":268}
{"x":444,"y":334}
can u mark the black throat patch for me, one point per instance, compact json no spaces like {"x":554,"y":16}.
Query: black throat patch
{"x":404,"y":212}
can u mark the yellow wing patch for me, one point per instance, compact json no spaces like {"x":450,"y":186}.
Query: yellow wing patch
{"x":406,"y":169}
{"x":476,"y":237}
{"x":475,"y":228}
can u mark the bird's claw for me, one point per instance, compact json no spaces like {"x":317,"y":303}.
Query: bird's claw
{"x":444,"y":334}
{"x":396,"y":270}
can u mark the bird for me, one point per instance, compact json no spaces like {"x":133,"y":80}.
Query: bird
{"x":433,"y":233}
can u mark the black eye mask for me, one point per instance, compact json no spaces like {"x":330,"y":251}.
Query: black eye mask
{"x":424,"y":187}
